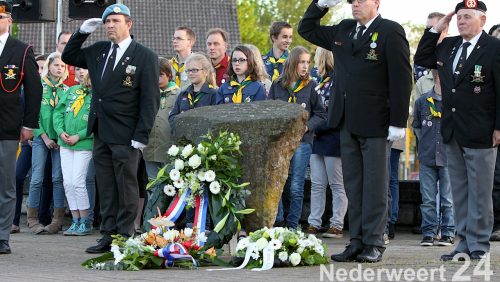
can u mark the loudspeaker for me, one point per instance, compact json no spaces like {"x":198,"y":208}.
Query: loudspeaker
{"x":86,"y":9}
{"x":34,"y":11}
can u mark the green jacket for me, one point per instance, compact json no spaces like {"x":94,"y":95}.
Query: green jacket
{"x":66,"y":121}
{"x":45,"y":124}
{"x":160,"y":138}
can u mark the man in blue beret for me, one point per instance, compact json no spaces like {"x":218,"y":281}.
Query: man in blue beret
{"x":125,"y":99}
{"x":469,"y":70}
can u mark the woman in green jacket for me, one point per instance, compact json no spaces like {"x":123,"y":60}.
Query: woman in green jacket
{"x":70,"y":123}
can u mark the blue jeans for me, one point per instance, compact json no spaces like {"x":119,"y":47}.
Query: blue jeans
{"x":90,"y":183}
{"x":393,"y":199}
{"x":296,"y":176}
{"x":39,"y":156}
{"x":430,"y":178}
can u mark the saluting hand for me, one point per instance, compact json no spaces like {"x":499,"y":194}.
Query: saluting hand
{"x":90,"y":25}
{"x":496,"y":138}
{"x":444,"y":22}
{"x":328,"y":3}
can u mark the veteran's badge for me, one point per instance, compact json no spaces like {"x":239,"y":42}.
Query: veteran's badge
{"x":372,"y":55}
{"x":130,"y":69}
{"x":128,"y":81}
{"x":477,"y":77}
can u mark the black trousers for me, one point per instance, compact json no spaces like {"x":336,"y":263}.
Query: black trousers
{"x":496,"y":195}
{"x":366,"y":178}
{"x":116,"y":173}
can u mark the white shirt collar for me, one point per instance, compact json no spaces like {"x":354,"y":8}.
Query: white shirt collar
{"x":123,"y":45}
{"x":367,"y":25}
{"x":474,"y":40}
{"x":3,"y":37}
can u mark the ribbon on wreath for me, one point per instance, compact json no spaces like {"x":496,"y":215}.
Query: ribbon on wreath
{"x":172,"y":252}
{"x":200,"y":213}
{"x":267,"y":258}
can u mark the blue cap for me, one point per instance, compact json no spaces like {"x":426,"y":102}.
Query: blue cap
{"x":116,"y":9}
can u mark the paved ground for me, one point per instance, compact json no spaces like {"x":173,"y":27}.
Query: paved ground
{"x":58,"y":258}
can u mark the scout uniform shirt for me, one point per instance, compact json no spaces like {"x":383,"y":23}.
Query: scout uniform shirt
{"x":244,"y":92}
{"x":188,"y":99}
{"x":160,"y":138}
{"x":71,"y":115}
{"x":52,"y":94}
{"x":274,"y":67}
{"x":179,"y":73}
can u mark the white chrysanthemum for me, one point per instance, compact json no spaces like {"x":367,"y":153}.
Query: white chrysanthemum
{"x":214,"y":187}
{"x":201,"y":175}
{"x":188,"y":232}
{"x":242,"y":244}
{"x":194,"y":161}
{"x":261,"y":244}
{"x":173,"y":151}
{"x":320,"y":250}
{"x":295,"y":259}
{"x":201,"y":237}
{"x":213,"y":157}
{"x":209,"y":176}
{"x":179,"y":164}
{"x":174,"y":174}
{"x":186,"y":152}
{"x":179,"y":183}
{"x":300,"y":250}
{"x":275,"y":244}
{"x":201,"y":148}
{"x":171,"y":234}
{"x":283,"y":256}
{"x":169,"y":190}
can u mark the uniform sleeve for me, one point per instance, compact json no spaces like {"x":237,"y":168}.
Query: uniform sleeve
{"x":426,"y":51}
{"x":149,"y":99}
{"x":32,"y":91}
{"x":496,"y":77}
{"x":261,"y":93}
{"x":311,"y":29}
{"x":318,"y":112}
{"x":213,"y":98}
{"x":176,"y":109}
{"x":219,"y":96}
{"x":272,"y":91}
{"x":58,"y":116}
{"x":73,"y":53}
{"x":400,"y":77}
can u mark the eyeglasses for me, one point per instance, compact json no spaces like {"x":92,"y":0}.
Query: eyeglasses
{"x":240,"y":61}
{"x":178,"y":39}
{"x":188,"y":71}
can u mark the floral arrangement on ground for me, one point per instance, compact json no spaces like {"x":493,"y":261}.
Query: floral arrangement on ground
{"x":207,"y":176}
{"x":280,"y":247}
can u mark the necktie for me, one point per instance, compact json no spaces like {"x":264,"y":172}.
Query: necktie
{"x":111,"y":62}
{"x":461,"y":60}
{"x":358,"y":35}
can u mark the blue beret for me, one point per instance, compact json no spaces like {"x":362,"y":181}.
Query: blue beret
{"x":116,"y":9}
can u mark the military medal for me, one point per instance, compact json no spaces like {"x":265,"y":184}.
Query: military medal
{"x":373,"y":45}
{"x":128,"y":81}
{"x":371,"y":55}
{"x":10,"y":74}
{"x":130,"y":69}
{"x":477,"y":77}
{"x":477,"y":89}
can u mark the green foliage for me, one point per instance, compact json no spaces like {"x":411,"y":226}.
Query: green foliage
{"x":256,"y":16}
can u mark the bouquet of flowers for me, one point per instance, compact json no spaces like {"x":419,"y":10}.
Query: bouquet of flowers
{"x":291,"y":247}
{"x":207,"y":175}
{"x":161,"y":247}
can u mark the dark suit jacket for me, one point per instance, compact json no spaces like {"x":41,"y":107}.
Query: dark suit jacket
{"x":12,"y":115}
{"x":119,"y":112}
{"x":369,"y":95}
{"x":470,"y":109}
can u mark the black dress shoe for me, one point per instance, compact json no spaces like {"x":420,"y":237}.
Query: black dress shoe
{"x":348,"y":255}
{"x":477,"y":255}
{"x":450,"y":256}
{"x":103,"y":245}
{"x":4,"y":247}
{"x":371,"y":254}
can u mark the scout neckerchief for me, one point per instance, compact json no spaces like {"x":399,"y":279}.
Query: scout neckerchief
{"x":324,"y":80}
{"x":53,"y":99}
{"x":197,"y":98}
{"x":238,"y":95}
{"x":275,"y":63}
{"x":80,"y":100}
{"x":165,"y":93}
{"x":292,"y":97}
{"x":179,"y":68}
{"x":432,"y":107}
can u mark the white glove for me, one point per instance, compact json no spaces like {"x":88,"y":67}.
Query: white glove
{"x":138,"y":145}
{"x":90,"y":25}
{"x":396,"y":133}
{"x":328,"y":3}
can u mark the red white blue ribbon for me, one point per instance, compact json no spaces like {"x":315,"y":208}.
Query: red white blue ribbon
{"x":177,"y":206}
{"x":172,"y":252}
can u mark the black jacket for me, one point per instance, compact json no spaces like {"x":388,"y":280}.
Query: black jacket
{"x":370,"y":94}
{"x":12,"y":113}
{"x":470,"y":109}
{"x":122,"y":109}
